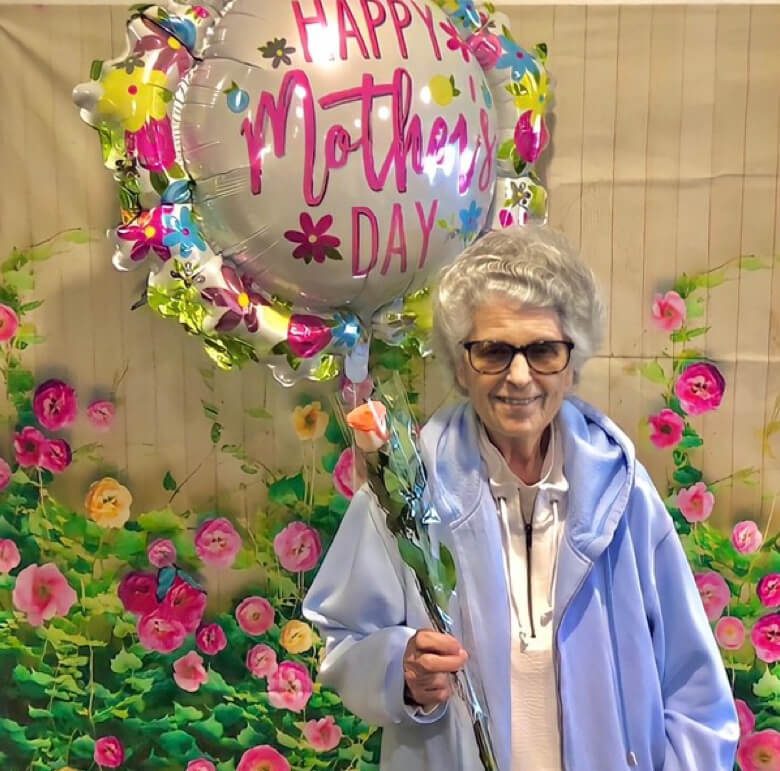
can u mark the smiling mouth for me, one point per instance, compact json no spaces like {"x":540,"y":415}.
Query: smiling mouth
{"x":515,"y":402}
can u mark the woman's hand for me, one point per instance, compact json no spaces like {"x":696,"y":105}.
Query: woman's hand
{"x":429,"y":659}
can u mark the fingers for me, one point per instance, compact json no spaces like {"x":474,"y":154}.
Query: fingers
{"x":429,"y":660}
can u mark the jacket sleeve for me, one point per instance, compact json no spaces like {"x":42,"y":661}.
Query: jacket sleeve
{"x":699,"y":713}
{"x":358,"y":602}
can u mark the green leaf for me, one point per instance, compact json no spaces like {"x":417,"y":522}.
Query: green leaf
{"x":216,"y":432}
{"x":767,"y":686}
{"x":129,"y":544}
{"x":228,"y":714}
{"x":177,"y":743}
{"x":333,"y":254}
{"x":124,"y":661}
{"x":95,"y":69}
{"x":288,"y":490}
{"x":211,"y":728}
{"x":329,"y":460}
{"x":653,"y":372}
{"x":687,"y":476}
{"x":159,"y":182}
{"x":447,"y":571}
{"x":210,"y":410}
{"x":751,"y":262}
{"x":169,"y":483}
{"x":161,"y":521}
{"x":261,"y":413}
{"x":20,"y":381}
{"x":413,"y":556}
{"x":186,"y":714}
{"x":83,"y":747}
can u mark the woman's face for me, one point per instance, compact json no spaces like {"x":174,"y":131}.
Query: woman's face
{"x":517,"y":405}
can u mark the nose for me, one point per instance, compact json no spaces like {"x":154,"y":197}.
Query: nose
{"x":519,"y":373}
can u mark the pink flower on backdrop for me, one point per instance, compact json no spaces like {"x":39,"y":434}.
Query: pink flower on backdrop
{"x":323,"y":734}
{"x":747,"y":720}
{"x":531,"y":136}
{"x":109,"y":752}
{"x":147,"y":233}
{"x":353,"y":394}
{"x":298,"y":547}
{"x":255,"y":615}
{"x":669,"y":311}
{"x":55,"y":455}
{"x":695,"y":502}
{"x":700,"y":388}
{"x":768,"y":590}
{"x":765,"y":637}
{"x":217,"y":542}
{"x":263,"y":758}
{"x":666,"y":428}
{"x":346,"y":476}
{"x":715,"y":593}
{"x":5,"y":474}
{"x":307,"y":335}
{"x":189,"y":672}
{"x":730,"y":633}
{"x":101,"y":414}
{"x":261,"y":660}
{"x":760,"y":751}
{"x":27,"y":446}
{"x":290,"y":686}
{"x":161,"y":634}
{"x":211,"y":639}
{"x":9,"y":323}
{"x":9,"y":555}
{"x":54,"y":404}
{"x":201,"y":764}
{"x":42,"y":592}
{"x":185,"y":604}
{"x":138,"y":592}
{"x":161,"y":553}
{"x":487,"y":49}
{"x":314,"y":241}
{"x":746,"y":537}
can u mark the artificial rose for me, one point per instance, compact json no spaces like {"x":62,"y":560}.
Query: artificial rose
{"x":9,"y":555}
{"x":189,"y":672}
{"x":54,"y":404}
{"x":138,"y":592}
{"x":700,"y":388}
{"x":261,"y":661}
{"x":666,"y":428}
{"x":323,"y":735}
{"x":55,"y":455}
{"x":298,"y":547}
{"x":310,"y":421}
{"x":109,"y":752}
{"x":695,"y":502}
{"x":296,"y":637}
{"x":42,"y":592}
{"x":715,"y":593}
{"x":730,"y":633}
{"x":185,"y":604}
{"x":369,"y":425}
{"x":158,"y":633}
{"x":9,"y":323}
{"x":255,"y":615}
{"x":746,"y":537}
{"x":765,"y":637}
{"x":669,"y":311}
{"x":161,"y":553}
{"x":768,"y":590}
{"x":760,"y":751}
{"x":263,"y":758}
{"x":27,"y":446}
{"x":211,"y":639}
{"x":290,"y":687}
{"x":217,"y":542}
{"x":108,"y":503}
{"x":101,"y":414}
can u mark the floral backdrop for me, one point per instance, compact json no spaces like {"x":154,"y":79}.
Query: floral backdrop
{"x":112,"y":655}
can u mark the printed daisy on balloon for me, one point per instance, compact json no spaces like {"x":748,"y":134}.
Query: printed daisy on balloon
{"x":313,"y":239}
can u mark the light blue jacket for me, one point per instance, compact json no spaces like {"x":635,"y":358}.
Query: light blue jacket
{"x":640,"y":679}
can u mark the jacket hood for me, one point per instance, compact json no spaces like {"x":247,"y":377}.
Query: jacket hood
{"x":599,"y":464}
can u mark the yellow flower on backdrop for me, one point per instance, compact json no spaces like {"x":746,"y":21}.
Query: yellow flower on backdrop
{"x":108,"y":503}
{"x":310,"y":421}
{"x":296,"y":637}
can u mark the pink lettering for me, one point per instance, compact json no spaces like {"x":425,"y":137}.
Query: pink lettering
{"x":357,"y":213}
{"x":426,"y":225}
{"x":374,"y":21}
{"x":304,"y":22}
{"x":348,"y":29}
{"x":486,"y":173}
{"x":400,"y":22}
{"x":426,"y":14}
{"x":396,"y":243}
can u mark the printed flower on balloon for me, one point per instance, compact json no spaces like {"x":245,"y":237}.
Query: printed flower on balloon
{"x":271,"y":205}
{"x":737,"y":574}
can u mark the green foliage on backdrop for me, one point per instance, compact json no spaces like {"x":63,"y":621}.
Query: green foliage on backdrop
{"x":111,"y":658}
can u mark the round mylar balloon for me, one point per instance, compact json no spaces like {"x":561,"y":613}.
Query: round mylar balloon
{"x":291,"y":170}
{"x":342,"y":151}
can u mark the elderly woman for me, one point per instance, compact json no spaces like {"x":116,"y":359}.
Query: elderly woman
{"x":574,"y":602}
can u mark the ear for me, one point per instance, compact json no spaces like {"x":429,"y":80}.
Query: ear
{"x":460,"y":374}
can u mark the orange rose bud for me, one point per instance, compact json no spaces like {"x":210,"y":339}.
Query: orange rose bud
{"x":369,"y":422}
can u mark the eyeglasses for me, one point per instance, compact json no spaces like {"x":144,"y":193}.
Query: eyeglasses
{"x":545,"y":357}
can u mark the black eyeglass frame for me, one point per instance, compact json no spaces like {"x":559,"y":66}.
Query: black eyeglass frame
{"x":469,"y":344}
